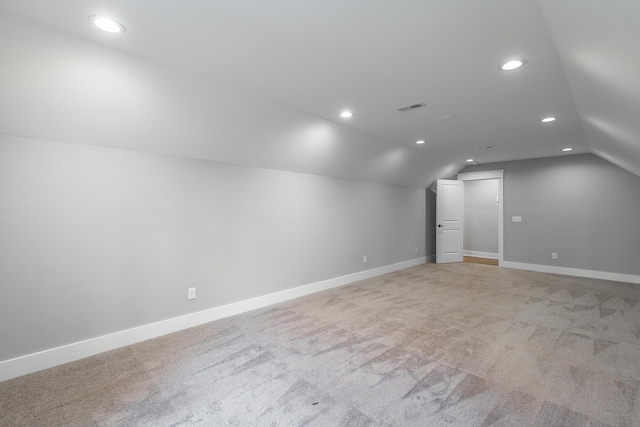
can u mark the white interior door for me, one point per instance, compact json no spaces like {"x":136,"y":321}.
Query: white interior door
{"x":449,"y":221}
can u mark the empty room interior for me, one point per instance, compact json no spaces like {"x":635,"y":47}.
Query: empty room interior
{"x":319,"y":213}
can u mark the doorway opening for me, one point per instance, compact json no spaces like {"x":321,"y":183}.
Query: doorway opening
{"x":450,"y":221}
{"x":483,"y":197}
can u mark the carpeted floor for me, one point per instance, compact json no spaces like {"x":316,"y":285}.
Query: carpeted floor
{"x":434,"y":345}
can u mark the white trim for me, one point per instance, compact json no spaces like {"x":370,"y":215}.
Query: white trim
{"x":23,"y":365}
{"x":472,"y":176}
{"x":500,"y":220}
{"x":482,"y":254}
{"x":592,"y":274}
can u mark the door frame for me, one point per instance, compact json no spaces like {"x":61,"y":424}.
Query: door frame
{"x":499,"y":175}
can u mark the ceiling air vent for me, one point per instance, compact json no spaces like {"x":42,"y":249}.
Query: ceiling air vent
{"x":412,"y":107}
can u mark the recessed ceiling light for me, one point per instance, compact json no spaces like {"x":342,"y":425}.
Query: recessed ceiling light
{"x":549,"y":119}
{"x":346,"y":114}
{"x":420,"y":141}
{"x":567,"y":149}
{"x":107,"y":24}
{"x":469,"y":160}
{"x":512,"y":64}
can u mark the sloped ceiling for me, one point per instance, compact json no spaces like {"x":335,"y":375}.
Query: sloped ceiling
{"x":599,"y":46}
{"x":262,"y":83}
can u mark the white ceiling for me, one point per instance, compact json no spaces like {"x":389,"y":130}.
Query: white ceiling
{"x":372,"y":56}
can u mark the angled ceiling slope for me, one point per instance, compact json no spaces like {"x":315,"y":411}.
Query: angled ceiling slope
{"x":55,"y":87}
{"x":295,"y":65}
{"x":598,"y":43}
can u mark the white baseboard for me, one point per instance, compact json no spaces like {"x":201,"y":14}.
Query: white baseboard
{"x":592,"y":274}
{"x":481,"y":254}
{"x":27,"y":364}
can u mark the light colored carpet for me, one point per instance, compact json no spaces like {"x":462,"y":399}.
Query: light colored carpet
{"x":434,"y":345}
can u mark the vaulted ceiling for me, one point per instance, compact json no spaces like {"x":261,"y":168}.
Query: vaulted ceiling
{"x":262,"y":83}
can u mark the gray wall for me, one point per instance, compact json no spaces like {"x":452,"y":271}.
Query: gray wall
{"x":97,"y":240}
{"x":481,"y":216}
{"x":582,"y":207}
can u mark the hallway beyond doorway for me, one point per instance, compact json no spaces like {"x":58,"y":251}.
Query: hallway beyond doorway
{"x":479,"y":260}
